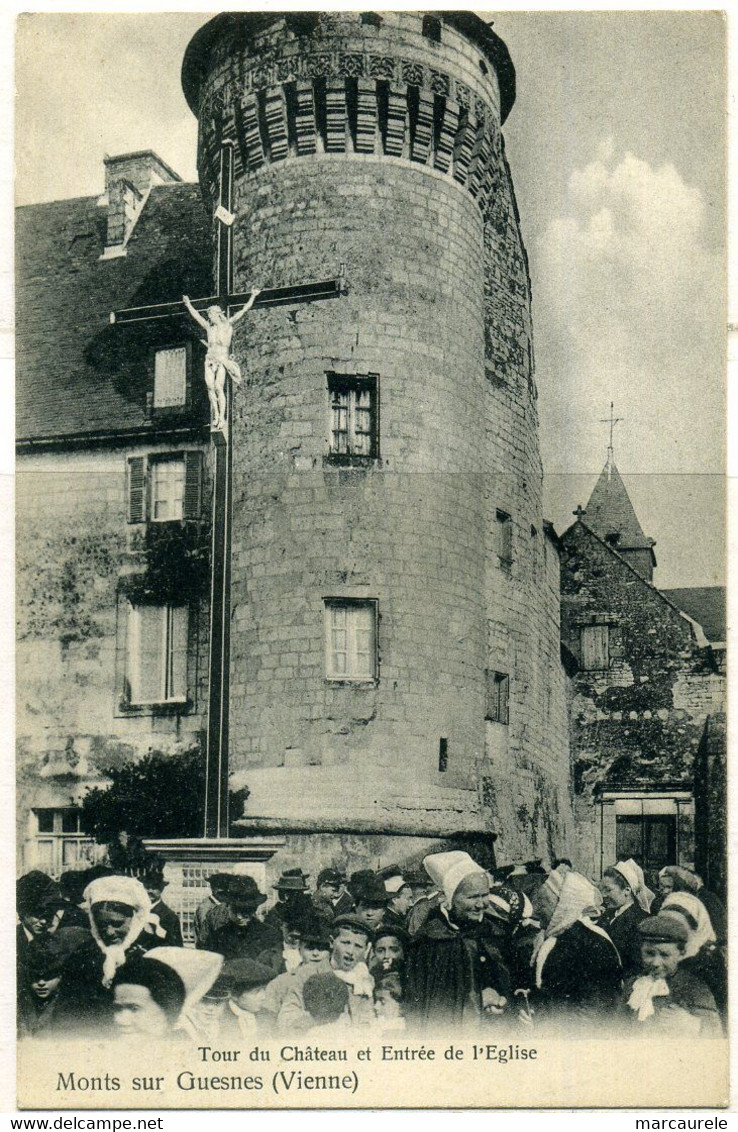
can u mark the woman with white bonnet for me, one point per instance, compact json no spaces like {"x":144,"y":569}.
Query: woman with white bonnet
{"x":627,"y":902}
{"x":153,"y":992}
{"x":703,"y":957}
{"x":455,"y":974}
{"x":118,"y":909}
{"x":577,"y":971}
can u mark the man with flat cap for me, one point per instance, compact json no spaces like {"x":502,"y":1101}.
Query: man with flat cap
{"x":330,"y":898}
{"x":244,"y":935}
{"x":667,"y":1000}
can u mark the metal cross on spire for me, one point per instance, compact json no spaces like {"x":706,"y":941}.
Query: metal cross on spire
{"x":612,"y":420}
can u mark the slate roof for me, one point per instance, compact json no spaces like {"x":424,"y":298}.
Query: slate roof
{"x":706,"y":606}
{"x":610,"y":512}
{"x":76,"y":374}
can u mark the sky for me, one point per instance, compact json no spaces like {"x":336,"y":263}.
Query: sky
{"x":617,"y":150}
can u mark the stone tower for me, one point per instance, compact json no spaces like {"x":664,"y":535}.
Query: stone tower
{"x":395,"y":666}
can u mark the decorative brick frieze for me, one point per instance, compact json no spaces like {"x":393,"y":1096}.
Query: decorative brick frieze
{"x":335,"y":116}
{"x":252,"y":134}
{"x":276,"y":123}
{"x":448,"y":126}
{"x":396,"y":120}
{"x":366,"y":116}
{"x":305,"y":128}
{"x":423,"y":133}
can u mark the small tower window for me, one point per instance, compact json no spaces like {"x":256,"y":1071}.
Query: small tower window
{"x":483,"y":67}
{"x":432,"y":28}
{"x":498,"y":697}
{"x":371,"y":19}
{"x":350,"y":639}
{"x":503,"y":532}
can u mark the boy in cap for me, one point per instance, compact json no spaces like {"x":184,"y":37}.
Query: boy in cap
{"x":667,"y":1000}
{"x":244,"y":935}
{"x":314,"y":947}
{"x":38,"y":988}
{"x":350,"y":939}
{"x":38,"y":901}
{"x":247,"y":982}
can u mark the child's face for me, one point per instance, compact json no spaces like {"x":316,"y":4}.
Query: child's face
{"x":251,"y":999}
{"x":385,"y":1005}
{"x":43,"y":986}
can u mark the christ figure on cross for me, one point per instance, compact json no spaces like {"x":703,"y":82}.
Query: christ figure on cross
{"x":218,"y":360}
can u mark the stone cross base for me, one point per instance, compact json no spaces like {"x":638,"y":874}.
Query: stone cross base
{"x":190,"y":861}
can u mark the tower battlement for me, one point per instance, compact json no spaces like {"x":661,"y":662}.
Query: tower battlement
{"x":429,"y":89}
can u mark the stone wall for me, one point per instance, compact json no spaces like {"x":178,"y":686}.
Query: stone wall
{"x":637,"y":725}
{"x":76,"y":555}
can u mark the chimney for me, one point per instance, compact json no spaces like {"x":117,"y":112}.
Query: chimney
{"x":128,"y":180}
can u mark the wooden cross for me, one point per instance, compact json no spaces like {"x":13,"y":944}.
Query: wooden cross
{"x":216,"y":816}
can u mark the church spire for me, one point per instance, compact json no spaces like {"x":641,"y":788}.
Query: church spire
{"x":611,"y":516}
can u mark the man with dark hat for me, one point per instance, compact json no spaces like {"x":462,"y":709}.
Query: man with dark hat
{"x":292,"y":895}
{"x":163,"y":921}
{"x":212,"y":913}
{"x":72,"y":885}
{"x":330,"y":898}
{"x":38,"y":900}
{"x":371,"y":901}
{"x":287,"y":957}
{"x":399,"y":897}
{"x":244,"y":935}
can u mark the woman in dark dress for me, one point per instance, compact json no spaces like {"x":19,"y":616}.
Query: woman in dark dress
{"x":455,"y":973}
{"x":577,"y":969}
{"x":627,"y":902}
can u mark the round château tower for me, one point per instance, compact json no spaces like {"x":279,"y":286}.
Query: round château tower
{"x":394,"y":634}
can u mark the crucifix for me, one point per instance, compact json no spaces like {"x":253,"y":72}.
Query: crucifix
{"x":231,"y":306}
{"x":612,"y":420}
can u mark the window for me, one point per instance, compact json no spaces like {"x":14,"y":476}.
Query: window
{"x":164,"y":488}
{"x":351,"y":634}
{"x":595,"y":647}
{"x":167,"y":489}
{"x":60,"y":842}
{"x":170,"y":377}
{"x":370,"y":19}
{"x":650,"y":839}
{"x":503,"y":533}
{"x":353,"y":417}
{"x":156,"y":654}
{"x":498,"y":697}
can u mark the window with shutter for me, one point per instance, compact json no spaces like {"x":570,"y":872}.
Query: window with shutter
{"x":353,"y":429}
{"x":167,"y":489}
{"x":156,"y":654}
{"x":351,"y":648}
{"x":164,"y":488}
{"x":595,"y":647}
{"x":193,"y":485}
{"x":170,"y":377}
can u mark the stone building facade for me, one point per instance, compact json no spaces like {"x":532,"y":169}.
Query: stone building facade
{"x":395,"y":657}
{"x":647,"y":686}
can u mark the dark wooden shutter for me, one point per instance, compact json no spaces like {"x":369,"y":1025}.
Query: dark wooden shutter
{"x":137,"y":489}
{"x":192,"y":506}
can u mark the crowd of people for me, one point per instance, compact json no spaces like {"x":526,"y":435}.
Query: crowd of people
{"x":447,"y":948}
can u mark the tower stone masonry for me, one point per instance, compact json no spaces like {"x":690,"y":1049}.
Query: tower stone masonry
{"x":374,"y":141}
